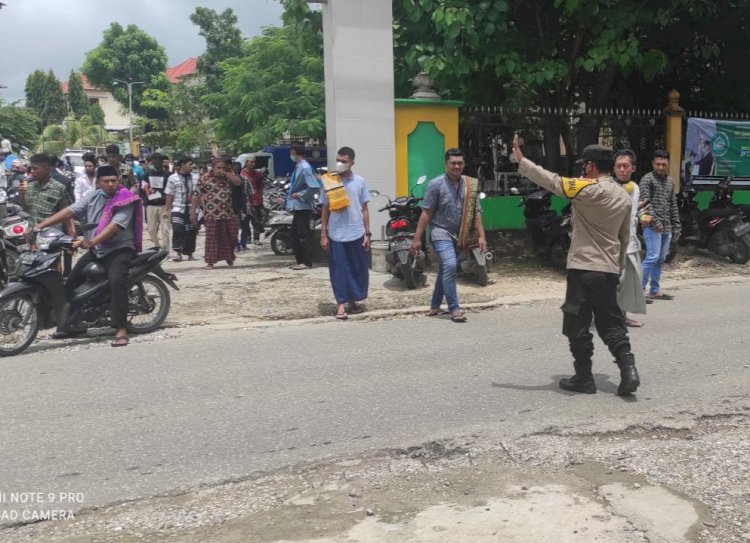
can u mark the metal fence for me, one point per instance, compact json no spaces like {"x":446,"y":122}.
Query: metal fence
{"x":552,"y":137}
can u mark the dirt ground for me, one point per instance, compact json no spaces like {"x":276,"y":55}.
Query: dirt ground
{"x":261,"y":287}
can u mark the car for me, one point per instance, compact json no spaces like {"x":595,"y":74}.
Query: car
{"x":76,"y":159}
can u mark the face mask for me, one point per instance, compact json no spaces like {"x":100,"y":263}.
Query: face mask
{"x":129,"y":162}
{"x":293,"y":157}
{"x":342,"y":168}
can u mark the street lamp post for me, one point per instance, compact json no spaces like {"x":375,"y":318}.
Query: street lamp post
{"x":130,"y":107}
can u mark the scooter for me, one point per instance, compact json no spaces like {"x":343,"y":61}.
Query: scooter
{"x":279,"y":229}
{"x":404,"y":213}
{"x":721,"y":230}
{"x":15,"y":224}
{"x":37,"y":299}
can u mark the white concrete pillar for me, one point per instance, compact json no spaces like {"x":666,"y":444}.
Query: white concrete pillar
{"x":360,"y":111}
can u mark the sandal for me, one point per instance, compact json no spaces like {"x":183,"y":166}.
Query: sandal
{"x":458,"y":316}
{"x":661,"y":296}
{"x":436,"y":312}
{"x":342,"y":316}
{"x":120,"y":341}
{"x":209,"y":267}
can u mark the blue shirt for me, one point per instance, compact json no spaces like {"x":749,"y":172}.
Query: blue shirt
{"x":304,"y":183}
{"x":446,"y":200}
{"x":348,"y":224}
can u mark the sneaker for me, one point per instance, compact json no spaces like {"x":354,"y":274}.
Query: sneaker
{"x":301,"y":267}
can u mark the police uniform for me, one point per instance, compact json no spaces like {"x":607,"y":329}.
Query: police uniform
{"x":598,"y":250}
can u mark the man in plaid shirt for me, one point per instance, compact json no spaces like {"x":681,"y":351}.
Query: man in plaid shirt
{"x":43,"y":196}
{"x":657,"y":187}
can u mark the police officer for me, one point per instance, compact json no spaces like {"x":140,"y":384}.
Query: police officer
{"x":598,"y":249}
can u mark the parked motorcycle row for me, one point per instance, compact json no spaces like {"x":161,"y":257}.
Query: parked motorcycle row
{"x":722,"y":228}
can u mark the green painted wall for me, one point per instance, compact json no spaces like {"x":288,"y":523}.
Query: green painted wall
{"x":426,"y":153}
{"x":504,"y":212}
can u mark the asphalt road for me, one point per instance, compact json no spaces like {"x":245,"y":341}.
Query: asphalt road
{"x":117,"y":424}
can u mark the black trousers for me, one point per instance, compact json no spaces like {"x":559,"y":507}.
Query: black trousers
{"x":183,"y":233}
{"x":244,"y":230}
{"x":117,"y":264}
{"x":592,"y":294}
{"x":302,"y":236}
{"x":256,"y":216}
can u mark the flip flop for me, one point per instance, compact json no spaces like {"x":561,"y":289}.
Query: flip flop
{"x":458,"y":316}
{"x":342,"y":316}
{"x":120,"y":341}
{"x":436,"y":312}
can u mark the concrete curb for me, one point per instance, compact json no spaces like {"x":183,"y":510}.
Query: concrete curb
{"x":506,"y":301}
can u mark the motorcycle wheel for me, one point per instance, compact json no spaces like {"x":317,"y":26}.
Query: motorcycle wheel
{"x":11,"y":258}
{"x":281,"y":243}
{"x":558,"y":256}
{"x":482,"y":277}
{"x":148,"y":305}
{"x":742,"y":253}
{"x":410,"y":276}
{"x":19,"y":324}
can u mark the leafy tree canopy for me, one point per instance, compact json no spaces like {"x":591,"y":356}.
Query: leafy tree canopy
{"x":18,"y":124}
{"x":45,"y":97}
{"x":127,"y":55}
{"x":184,"y":121}
{"x":78,"y":102}
{"x":223,"y":41}
{"x":276,"y":87}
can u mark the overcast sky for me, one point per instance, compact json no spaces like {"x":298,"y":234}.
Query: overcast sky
{"x":57,"y":34}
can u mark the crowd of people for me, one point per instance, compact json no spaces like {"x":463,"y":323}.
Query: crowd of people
{"x":605,"y":279}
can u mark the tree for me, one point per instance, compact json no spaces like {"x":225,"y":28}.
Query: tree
{"x":78,"y":102}
{"x":276,"y":87}
{"x":44,"y":96}
{"x":128,"y":55}
{"x":18,"y":124}
{"x":97,"y":114}
{"x":71,"y":132}
{"x":184,"y":120}
{"x":223,"y":41}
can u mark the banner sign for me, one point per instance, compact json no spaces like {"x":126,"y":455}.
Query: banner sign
{"x":717,"y":147}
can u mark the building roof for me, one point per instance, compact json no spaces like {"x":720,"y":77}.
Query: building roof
{"x":84,"y":80}
{"x":184,"y":69}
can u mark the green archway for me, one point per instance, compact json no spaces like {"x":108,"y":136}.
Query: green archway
{"x":426,"y":149}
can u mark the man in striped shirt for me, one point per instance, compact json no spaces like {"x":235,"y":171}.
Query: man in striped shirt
{"x":657,"y":187}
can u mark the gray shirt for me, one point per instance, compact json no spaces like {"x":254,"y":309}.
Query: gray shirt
{"x":89,"y":209}
{"x":446,"y":200}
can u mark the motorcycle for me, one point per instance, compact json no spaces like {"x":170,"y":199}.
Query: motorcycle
{"x":550,"y":233}
{"x":37,"y":299}
{"x":720,"y":229}
{"x":15,"y":224}
{"x":279,"y":230}
{"x":404,"y":213}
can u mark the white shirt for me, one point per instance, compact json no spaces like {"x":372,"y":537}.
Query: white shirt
{"x":83,"y":186}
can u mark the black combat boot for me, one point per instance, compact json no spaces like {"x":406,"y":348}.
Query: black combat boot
{"x":582,"y":381}
{"x":629,"y":380}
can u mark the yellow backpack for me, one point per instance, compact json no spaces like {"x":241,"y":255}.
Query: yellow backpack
{"x":335,"y":192}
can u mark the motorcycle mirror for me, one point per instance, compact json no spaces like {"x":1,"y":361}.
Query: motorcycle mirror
{"x":514,"y":191}
{"x":374,"y":193}
{"x":482,"y":195}
{"x":421,"y":179}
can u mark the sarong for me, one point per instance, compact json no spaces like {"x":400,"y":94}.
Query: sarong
{"x":630,"y":296}
{"x":221,"y":237}
{"x":348,"y":268}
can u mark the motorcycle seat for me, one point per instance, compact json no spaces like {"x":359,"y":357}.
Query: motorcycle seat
{"x":146,"y":256}
{"x":723,"y":212}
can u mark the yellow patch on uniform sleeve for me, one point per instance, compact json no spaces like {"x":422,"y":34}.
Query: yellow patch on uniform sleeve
{"x":573,"y":185}
{"x":629,"y":187}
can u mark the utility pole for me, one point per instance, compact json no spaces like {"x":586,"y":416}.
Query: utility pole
{"x":130,"y":107}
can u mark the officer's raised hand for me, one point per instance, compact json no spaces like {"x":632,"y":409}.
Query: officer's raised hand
{"x":517,"y":154}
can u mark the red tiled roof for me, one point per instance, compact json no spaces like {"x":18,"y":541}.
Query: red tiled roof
{"x":187,"y":68}
{"x":84,"y":81}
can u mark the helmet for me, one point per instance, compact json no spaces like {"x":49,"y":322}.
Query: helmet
{"x":5,"y":146}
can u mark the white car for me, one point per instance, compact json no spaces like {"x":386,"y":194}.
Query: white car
{"x":76,"y":159}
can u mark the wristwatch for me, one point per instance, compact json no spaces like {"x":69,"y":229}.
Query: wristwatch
{"x":368,"y":234}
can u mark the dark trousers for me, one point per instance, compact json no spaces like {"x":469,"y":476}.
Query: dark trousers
{"x":117,"y":264}
{"x":183,"y":233}
{"x":257,"y":219}
{"x":593,"y":294}
{"x":301,"y":236}
{"x":244,"y":231}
